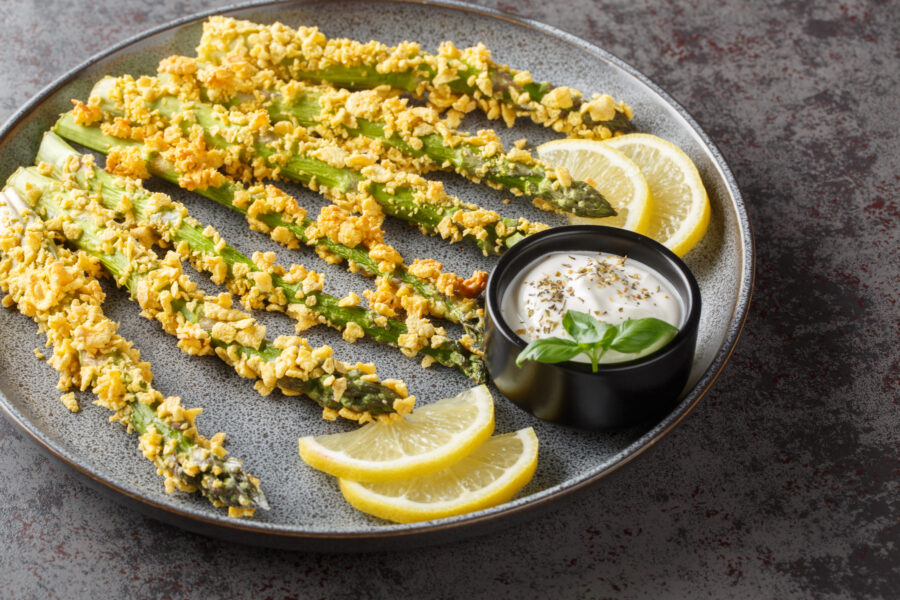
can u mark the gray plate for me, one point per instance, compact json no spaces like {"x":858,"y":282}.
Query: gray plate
{"x":307,"y":508}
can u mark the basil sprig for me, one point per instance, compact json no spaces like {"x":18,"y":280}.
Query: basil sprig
{"x":591,"y":337}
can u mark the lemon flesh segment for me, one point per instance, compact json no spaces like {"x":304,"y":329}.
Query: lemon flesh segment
{"x":612,"y":173}
{"x":428,"y":439}
{"x":680,"y":213}
{"x":490,"y":476}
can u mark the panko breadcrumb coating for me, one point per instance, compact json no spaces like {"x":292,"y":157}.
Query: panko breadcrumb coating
{"x":370,"y":125}
{"x":271,"y":211}
{"x":455,"y":80}
{"x":204,"y":324}
{"x":248,"y":148}
{"x":59,"y":290}
{"x":259,"y":282}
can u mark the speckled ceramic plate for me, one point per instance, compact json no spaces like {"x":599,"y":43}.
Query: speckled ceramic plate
{"x":307,"y":508}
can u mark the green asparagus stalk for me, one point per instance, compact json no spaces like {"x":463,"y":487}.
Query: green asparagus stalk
{"x":475,"y":157}
{"x":222,"y":480}
{"x":461,"y":311}
{"x":174,"y":224}
{"x":448,"y":216}
{"x":204,"y":325}
{"x":187,"y":460}
{"x":450,"y":78}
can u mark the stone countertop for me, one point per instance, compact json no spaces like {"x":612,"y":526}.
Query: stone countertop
{"x":782,"y":483}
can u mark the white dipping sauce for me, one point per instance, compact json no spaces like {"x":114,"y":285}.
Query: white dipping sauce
{"x":611,"y":288}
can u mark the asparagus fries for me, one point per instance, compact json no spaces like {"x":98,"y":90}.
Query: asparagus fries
{"x":51,"y":285}
{"x":207,"y":325}
{"x":249,"y":146}
{"x":223,"y":118}
{"x":458,"y":80}
{"x":259,"y":283}
{"x":417,"y":133}
{"x":269,"y":210}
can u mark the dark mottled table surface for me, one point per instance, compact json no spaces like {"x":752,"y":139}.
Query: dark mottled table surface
{"x":783,"y":482}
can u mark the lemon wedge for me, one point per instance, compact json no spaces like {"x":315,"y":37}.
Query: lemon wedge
{"x":489,"y":476}
{"x":430,"y":438}
{"x":612,"y":173}
{"x":680,"y":213}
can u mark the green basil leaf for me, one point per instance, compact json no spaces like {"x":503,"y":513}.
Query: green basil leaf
{"x":549,"y":350}
{"x":638,"y":334}
{"x":584,"y":328}
{"x":609,"y":335}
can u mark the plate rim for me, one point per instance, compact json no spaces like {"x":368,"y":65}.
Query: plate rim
{"x":462,"y":525}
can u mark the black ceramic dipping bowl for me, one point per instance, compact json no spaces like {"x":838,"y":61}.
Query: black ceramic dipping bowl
{"x":618,"y":394}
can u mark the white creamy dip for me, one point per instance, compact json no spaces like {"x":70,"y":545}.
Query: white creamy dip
{"x":611,"y":288}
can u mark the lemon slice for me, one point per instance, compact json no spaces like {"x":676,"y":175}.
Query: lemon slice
{"x":680,"y":213}
{"x":489,"y":476}
{"x":430,"y":438}
{"x":614,"y":175}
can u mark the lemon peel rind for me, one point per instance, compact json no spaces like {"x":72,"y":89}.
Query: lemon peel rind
{"x":344,"y":467}
{"x":683,"y":241}
{"x":498,"y":492}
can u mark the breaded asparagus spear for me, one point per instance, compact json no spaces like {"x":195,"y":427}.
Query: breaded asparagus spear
{"x":203,"y":324}
{"x":459,"y":80}
{"x":269,"y":210}
{"x":52,"y":286}
{"x":248,"y":145}
{"x":416,"y":132}
{"x":259,"y":284}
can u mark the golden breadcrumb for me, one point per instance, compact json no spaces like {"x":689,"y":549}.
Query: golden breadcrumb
{"x":292,"y":54}
{"x":162,"y":289}
{"x":59,"y":290}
